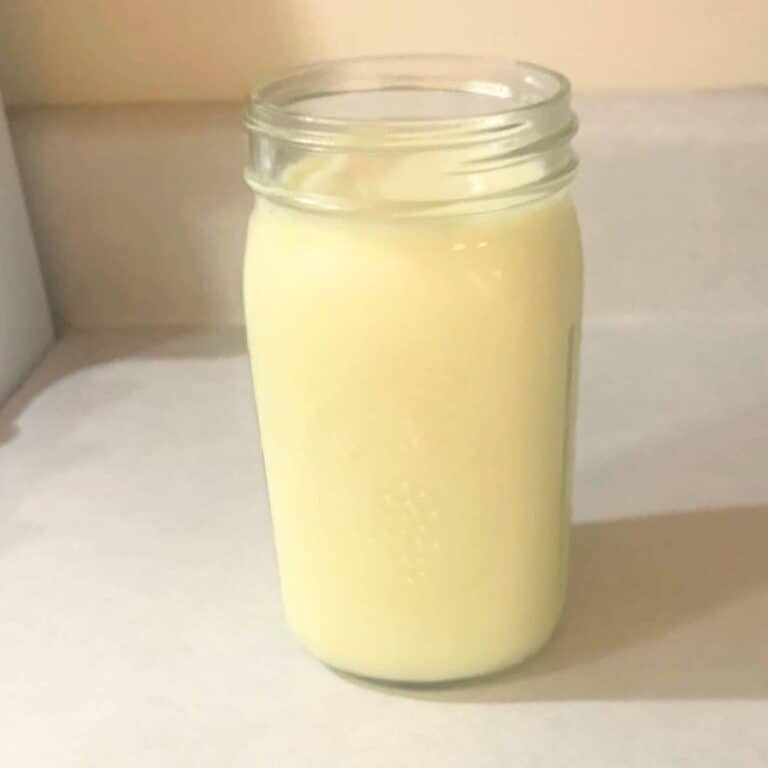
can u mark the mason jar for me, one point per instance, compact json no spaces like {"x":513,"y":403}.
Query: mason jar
{"x":413,"y":301}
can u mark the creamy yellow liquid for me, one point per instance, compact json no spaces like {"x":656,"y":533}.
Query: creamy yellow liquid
{"x":414,"y":379}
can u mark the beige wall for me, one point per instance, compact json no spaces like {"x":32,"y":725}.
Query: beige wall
{"x":74,"y":51}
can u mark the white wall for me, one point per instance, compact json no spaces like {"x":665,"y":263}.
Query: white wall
{"x":140,"y":212}
{"x":134,"y":178}
{"x":25,"y":325}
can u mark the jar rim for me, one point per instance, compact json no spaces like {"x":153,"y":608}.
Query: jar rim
{"x":511,"y":92}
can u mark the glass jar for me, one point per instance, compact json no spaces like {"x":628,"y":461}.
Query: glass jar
{"x":413,"y":301}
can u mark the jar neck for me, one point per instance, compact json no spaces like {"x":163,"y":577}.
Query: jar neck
{"x":411,"y":135}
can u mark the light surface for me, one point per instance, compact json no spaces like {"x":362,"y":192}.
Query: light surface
{"x":140,"y":620}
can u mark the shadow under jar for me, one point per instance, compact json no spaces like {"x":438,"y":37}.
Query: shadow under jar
{"x":413,"y":300}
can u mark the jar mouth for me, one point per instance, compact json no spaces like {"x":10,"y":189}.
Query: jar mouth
{"x":411,"y":134}
{"x":413,"y":100}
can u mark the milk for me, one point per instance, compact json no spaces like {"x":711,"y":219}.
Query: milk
{"x":415,"y":383}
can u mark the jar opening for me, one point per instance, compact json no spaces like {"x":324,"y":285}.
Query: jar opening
{"x":404,"y":97}
{"x":485,"y":115}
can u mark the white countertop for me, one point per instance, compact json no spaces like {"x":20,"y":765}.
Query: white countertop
{"x":140,"y":621}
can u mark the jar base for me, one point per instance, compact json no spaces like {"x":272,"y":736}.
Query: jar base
{"x":436,"y":683}
{"x":439,"y":683}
